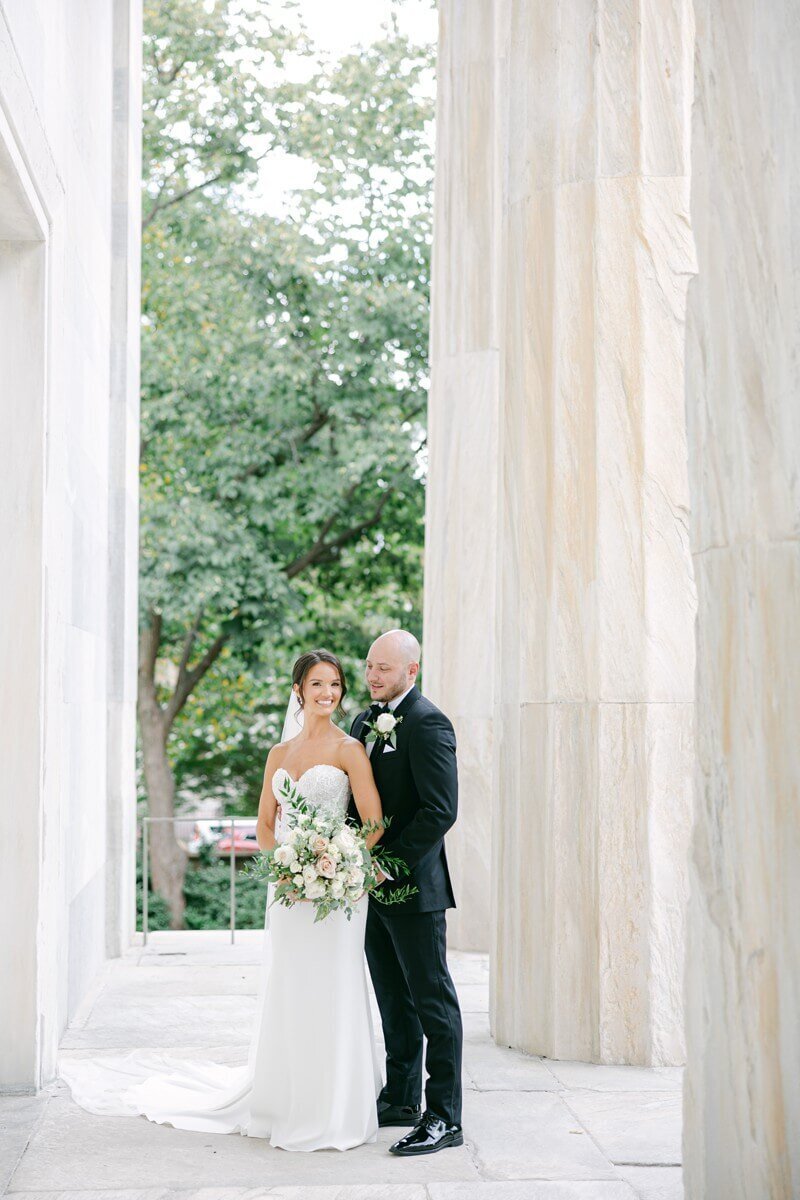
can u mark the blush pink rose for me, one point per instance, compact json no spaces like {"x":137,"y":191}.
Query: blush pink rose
{"x":319,"y":844}
{"x":326,"y":866}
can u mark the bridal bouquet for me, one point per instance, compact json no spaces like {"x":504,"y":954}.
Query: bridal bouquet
{"x":324,"y":859}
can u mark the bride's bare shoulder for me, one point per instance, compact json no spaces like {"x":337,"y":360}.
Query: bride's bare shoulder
{"x":350,"y":746}
{"x":276,"y":755}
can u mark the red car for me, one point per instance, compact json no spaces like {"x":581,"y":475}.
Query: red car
{"x":244,"y":840}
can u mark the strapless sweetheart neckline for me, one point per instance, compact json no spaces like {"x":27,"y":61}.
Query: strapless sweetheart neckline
{"x":315,"y":767}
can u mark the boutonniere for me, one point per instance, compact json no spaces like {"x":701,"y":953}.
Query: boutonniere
{"x":382,"y":728}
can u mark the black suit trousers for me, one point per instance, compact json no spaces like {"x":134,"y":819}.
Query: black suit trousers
{"x":416,"y":997}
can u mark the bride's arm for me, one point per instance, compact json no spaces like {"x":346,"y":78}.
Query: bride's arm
{"x":267,"y":804}
{"x":355,"y":761}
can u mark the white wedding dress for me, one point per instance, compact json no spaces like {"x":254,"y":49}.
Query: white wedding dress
{"x":312,"y":1076}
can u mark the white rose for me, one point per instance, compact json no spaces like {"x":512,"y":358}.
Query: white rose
{"x":344,"y":840}
{"x":355,"y":878}
{"x":315,"y":890}
{"x":385,"y":723}
{"x":294,"y":866}
{"x":309,"y":873}
{"x":298,"y":881}
{"x":283,"y":855}
{"x":337,"y":889}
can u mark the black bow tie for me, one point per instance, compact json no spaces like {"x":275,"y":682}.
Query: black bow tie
{"x":377,"y":708}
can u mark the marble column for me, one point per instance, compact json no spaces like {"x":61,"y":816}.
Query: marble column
{"x":123,"y":496}
{"x":559,"y":594}
{"x":69,"y":253}
{"x":742,"y":1094}
{"x":23,"y":337}
{"x":459,"y":652}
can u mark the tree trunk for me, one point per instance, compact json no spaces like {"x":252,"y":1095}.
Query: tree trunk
{"x":167,"y":859}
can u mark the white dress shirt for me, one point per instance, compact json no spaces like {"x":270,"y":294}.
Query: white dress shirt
{"x":399,"y":699}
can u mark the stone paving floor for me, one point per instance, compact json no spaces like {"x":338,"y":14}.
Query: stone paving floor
{"x":535,"y":1129}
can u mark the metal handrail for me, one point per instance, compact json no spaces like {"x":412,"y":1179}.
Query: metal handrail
{"x":145,"y":866}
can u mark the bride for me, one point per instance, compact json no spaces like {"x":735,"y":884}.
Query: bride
{"x":312,"y":1076}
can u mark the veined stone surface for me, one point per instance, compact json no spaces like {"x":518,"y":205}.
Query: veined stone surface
{"x":559,"y":594}
{"x":742,"y":1102}
{"x":460,"y":662}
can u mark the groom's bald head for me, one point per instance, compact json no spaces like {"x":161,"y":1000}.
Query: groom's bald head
{"x":392,"y":664}
{"x":400,"y":644}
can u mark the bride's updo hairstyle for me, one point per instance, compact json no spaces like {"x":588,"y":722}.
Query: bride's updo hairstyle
{"x":310,"y":659}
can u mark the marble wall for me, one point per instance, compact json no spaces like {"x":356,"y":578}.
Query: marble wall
{"x":559,"y":592}
{"x":69,"y":205}
{"x":742,"y":1094}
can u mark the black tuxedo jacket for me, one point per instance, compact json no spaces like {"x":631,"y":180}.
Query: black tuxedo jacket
{"x":418,"y":786}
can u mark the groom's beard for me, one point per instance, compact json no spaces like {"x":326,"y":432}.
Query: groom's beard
{"x":387,"y":692}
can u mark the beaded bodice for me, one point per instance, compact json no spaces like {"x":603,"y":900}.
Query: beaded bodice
{"x":323,"y":787}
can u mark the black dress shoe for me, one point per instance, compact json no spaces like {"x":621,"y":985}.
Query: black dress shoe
{"x":397,"y":1114}
{"x":431,"y":1134}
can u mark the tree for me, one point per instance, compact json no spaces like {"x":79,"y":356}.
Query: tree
{"x":284,"y":373}
{"x":207,"y":107}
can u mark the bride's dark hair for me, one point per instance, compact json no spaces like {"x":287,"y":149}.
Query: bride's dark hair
{"x":310,"y":659}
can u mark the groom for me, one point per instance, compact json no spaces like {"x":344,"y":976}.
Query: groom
{"x":413,"y":756}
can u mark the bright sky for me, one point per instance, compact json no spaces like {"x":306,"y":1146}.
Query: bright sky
{"x":335,"y":27}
